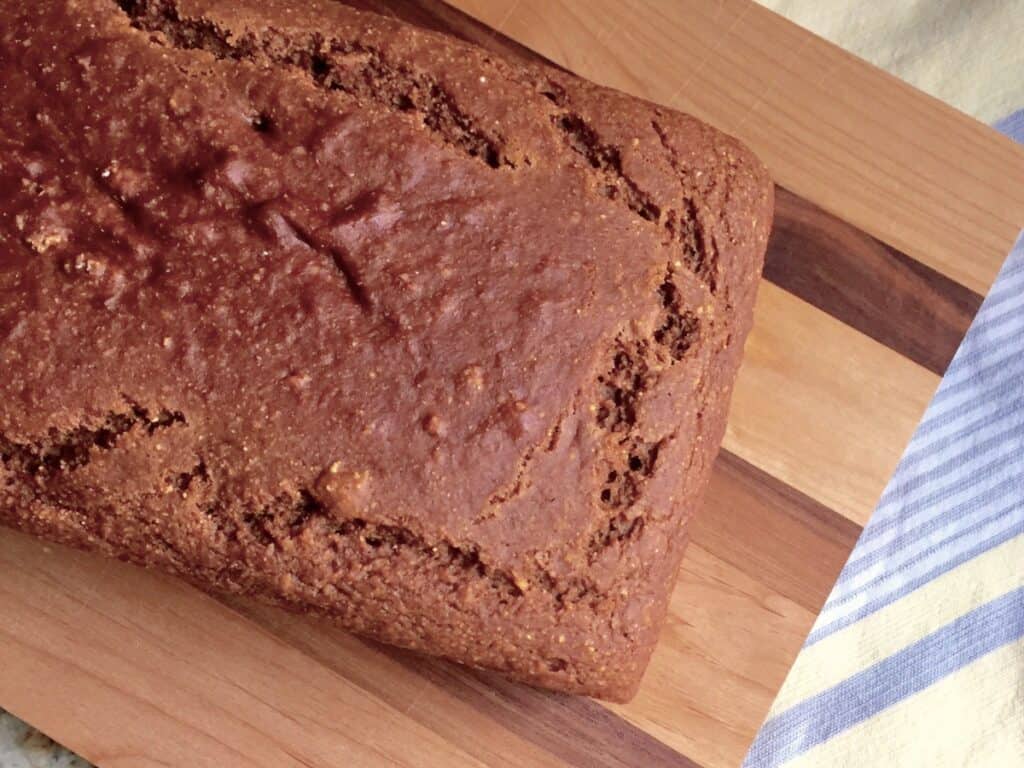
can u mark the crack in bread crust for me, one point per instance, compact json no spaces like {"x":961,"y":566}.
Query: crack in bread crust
{"x":364,"y":72}
{"x":350,"y":67}
{"x":72,"y":449}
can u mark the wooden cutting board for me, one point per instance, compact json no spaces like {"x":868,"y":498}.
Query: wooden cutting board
{"x":894,"y":213}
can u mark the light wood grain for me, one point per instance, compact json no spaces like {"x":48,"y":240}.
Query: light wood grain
{"x":761,"y":563}
{"x":495,"y":720}
{"x":135,"y":669}
{"x":900,"y":165}
{"x":725,"y":650}
{"x":821,"y":406}
{"x":419,"y":698}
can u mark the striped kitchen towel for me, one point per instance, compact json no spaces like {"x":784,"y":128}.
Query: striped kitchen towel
{"x":917,"y":658}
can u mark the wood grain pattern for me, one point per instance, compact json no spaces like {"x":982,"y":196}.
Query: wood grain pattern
{"x":723,"y":654}
{"x":150,"y":672}
{"x":822,"y":407}
{"x":898,"y":164}
{"x":770,"y":532}
{"x":507,"y":720}
{"x":761,"y":562}
{"x":867,"y":285}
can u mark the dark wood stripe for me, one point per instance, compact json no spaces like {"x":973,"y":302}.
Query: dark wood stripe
{"x":787,"y":541}
{"x":578,"y":731}
{"x":909,"y":307}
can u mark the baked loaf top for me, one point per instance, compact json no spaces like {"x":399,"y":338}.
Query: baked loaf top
{"x":306,"y":303}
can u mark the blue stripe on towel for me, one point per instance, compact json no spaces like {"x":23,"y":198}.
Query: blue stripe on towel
{"x":916,"y":667}
{"x":819,"y":633}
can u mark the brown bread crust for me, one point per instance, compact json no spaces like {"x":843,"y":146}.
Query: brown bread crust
{"x":309,"y":304}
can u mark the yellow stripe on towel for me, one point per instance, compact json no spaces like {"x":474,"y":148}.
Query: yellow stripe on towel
{"x":883,"y":633}
{"x":974,"y":717}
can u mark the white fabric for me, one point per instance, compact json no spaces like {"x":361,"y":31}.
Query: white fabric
{"x":968,"y":53}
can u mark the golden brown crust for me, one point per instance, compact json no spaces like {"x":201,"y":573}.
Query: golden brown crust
{"x":308,"y":304}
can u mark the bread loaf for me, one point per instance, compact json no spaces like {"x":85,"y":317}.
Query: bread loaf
{"x":304,"y":303}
